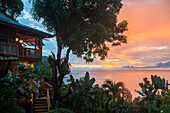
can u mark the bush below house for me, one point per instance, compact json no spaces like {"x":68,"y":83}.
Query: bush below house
{"x":60,"y":110}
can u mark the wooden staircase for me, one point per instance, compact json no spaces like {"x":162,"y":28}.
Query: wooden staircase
{"x":43,"y":103}
{"x":40,"y":105}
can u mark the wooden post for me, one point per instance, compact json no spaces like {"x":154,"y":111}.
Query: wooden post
{"x":48,"y":99}
{"x":40,"y":48}
{"x":32,"y":102}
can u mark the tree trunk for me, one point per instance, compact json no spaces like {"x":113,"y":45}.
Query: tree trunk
{"x":54,"y":76}
{"x":58,"y":80}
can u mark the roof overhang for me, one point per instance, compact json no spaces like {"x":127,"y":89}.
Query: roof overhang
{"x":23,"y":28}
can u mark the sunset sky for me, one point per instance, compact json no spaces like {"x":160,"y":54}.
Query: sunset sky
{"x":148,"y":35}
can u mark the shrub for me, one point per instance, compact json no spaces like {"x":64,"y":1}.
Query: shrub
{"x":14,"y":88}
{"x":16,"y":109}
{"x":60,"y":110}
{"x":7,"y":100}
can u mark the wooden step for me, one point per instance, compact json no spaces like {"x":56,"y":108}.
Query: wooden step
{"x":40,"y":104}
{"x":40,"y":110}
{"x":44,"y":95}
{"x":44,"y":109}
{"x":41,"y":99}
{"x":40,"y":107}
{"x":43,"y":92}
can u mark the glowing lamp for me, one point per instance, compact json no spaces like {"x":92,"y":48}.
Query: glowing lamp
{"x":30,"y":100}
{"x":21,"y":41}
{"x":38,"y":48}
{"x":16,"y":39}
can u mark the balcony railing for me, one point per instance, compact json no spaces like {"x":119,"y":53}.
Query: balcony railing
{"x":29,"y":52}
{"x":8,"y":48}
{"x":15,"y":50}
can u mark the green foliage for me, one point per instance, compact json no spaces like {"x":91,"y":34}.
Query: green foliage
{"x":16,"y":87}
{"x":165,"y":105}
{"x":21,"y":82}
{"x":84,"y":26}
{"x":7,"y":100}
{"x":117,"y":90}
{"x":16,"y":109}
{"x":60,"y":110}
{"x":117,"y":94}
{"x":83,"y":94}
{"x":42,"y":69}
{"x":8,"y":97}
{"x":150,"y":94}
{"x":11,"y":8}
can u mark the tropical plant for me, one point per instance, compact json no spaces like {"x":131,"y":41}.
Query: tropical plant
{"x":165,"y":102}
{"x":16,"y":87}
{"x":83,"y":94}
{"x":21,"y":81}
{"x":150,"y":94}
{"x":57,"y":81}
{"x":116,"y":93}
{"x":81,"y":26}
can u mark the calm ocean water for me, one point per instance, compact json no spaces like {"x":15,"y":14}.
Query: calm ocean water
{"x":131,"y":78}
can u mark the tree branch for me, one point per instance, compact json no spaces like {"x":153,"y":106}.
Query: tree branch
{"x":59,"y":53}
{"x":67,"y":55}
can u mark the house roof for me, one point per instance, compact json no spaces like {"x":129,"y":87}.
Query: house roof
{"x":7,"y":21}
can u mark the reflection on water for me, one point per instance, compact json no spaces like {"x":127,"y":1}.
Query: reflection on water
{"x":131,"y":78}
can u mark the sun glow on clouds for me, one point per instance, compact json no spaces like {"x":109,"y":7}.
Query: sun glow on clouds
{"x":110,"y":60}
{"x":148,"y":34}
{"x":94,"y":66}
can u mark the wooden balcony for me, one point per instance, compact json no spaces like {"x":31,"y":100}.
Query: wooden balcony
{"x":24,"y":54}
{"x":29,"y":54}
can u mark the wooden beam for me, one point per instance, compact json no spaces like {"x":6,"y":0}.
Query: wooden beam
{"x":35,"y":43}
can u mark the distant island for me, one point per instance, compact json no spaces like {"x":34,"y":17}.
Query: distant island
{"x":159,"y":65}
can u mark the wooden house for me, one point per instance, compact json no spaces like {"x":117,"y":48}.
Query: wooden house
{"x":19,"y":43}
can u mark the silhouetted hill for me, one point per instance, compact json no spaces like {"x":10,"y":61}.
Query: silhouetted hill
{"x":159,"y":65}
{"x":163,"y":65}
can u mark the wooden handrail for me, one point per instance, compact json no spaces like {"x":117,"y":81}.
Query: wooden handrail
{"x":48,"y":100}
{"x":35,"y":84}
{"x":45,"y":85}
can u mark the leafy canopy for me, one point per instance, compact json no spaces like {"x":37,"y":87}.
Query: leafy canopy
{"x":11,"y":8}
{"x":84,"y":26}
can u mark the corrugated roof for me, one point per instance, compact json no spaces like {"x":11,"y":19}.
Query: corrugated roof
{"x":8,"y":20}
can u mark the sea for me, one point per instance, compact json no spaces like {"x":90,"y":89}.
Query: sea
{"x":130,"y":77}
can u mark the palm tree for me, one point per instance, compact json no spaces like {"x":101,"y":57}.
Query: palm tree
{"x":117,"y":91}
